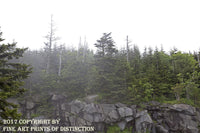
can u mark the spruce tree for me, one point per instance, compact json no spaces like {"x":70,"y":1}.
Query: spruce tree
{"x":12,"y":74}
{"x":105,"y":62}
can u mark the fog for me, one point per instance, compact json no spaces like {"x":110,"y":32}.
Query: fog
{"x":147,"y":23}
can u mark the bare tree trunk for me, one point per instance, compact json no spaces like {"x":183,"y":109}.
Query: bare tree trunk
{"x":177,"y":96}
{"x":49,"y":45}
{"x":51,"y":38}
{"x":127,"y":49}
{"x":84,"y":50}
{"x":187,"y":92}
{"x":48,"y":63}
{"x":60,"y":63}
{"x":198,"y":58}
{"x":174,"y":65}
{"x":30,"y":84}
{"x":79,"y":46}
{"x":188,"y":86}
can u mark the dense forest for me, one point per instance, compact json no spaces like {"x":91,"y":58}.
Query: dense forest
{"x":116,"y":75}
{"x":124,"y":75}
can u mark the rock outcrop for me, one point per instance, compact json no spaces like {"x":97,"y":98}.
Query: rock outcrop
{"x":153,"y":117}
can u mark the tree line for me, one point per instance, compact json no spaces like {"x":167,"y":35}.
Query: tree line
{"x":125,"y":75}
{"x":116,"y":75}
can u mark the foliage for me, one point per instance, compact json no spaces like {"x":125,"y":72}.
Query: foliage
{"x":116,"y":129}
{"x":12,"y":74}
{"x":151,"y":75}
{"x":182,"y":101}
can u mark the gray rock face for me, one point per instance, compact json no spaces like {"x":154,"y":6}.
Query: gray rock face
{"x":76,"y":106}
{"x":98,"y":114}
{"x":90,"y":108}
{"x":186,"y":109}
{"x":119,"y":105}
{"x":175,"y":118}
{"x":122,"y":125}
{"x":161,"y":129}
{"x":125,"y":111}
{"x":107,"y":108}
{"x":143,"y":122}
{"x":98,"y":117}
{"x":191,"y":130}
{"x":155,"y":118}
{"x":198,"y":115}
{"x":113,"y":115}
{"x":88,"y":117}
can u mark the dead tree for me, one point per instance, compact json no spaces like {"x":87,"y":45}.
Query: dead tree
{"x":48,"y":45}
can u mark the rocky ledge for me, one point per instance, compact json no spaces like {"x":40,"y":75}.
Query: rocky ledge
{"x":152,"y":117}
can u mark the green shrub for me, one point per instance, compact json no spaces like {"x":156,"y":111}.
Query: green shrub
{"x":116,"y":129}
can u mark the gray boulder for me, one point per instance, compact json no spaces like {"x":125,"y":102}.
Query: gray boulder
{"x":198,"y":115}
{"x":98,"y":117}
{"x":191,"y":129}
{"x":76,"y":106}
{"x":128,"y":119}
{"x":88,"y":117}
{"x":90,"y":108}
{"x":113,"y":115}
{"x":143,"y":122}
{"x":125,"y":111}
{"x":107,"y":108}
{"x":119,"y":105}
{"x":122,"y":125}
{"x":187,"y":109}
{"x":161,"y":129}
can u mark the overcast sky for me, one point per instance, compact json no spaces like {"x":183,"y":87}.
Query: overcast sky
{"x":172,"y":23}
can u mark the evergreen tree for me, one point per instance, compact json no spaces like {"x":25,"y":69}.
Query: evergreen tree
{"x":11,"y":78}
{"x":105,"y":61}
{"x":151,"y":75}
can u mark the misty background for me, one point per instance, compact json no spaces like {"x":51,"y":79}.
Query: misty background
{"x":102,"y":63}
{"x":147,"y":23}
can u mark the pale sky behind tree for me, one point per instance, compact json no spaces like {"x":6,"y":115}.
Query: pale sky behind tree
{"x":172,"y":23}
